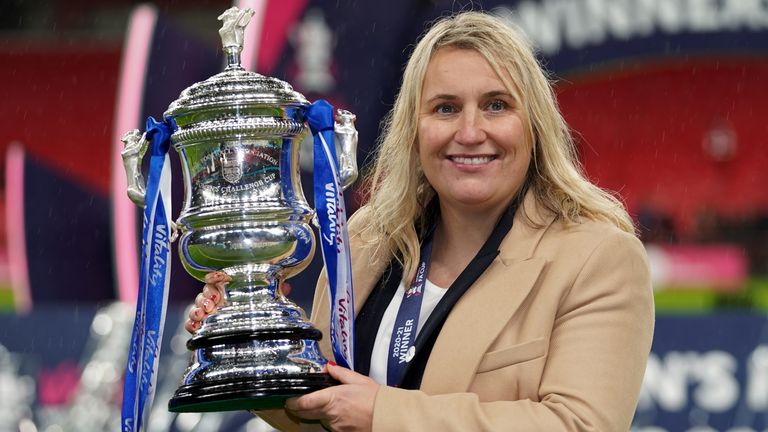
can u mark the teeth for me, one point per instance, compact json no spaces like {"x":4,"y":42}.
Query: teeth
{"x":475,"y":160}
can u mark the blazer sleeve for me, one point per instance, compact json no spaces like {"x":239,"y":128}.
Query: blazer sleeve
{"x":598,"y":350}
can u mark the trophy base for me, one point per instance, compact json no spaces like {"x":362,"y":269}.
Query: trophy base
{"x":246,"y":393}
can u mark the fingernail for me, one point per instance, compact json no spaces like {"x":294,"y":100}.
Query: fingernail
{"x":332,"y":363}
{"x":214,"y":297}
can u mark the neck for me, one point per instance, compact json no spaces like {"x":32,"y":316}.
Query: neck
{"x":459,"y":235}
{"x":464,"y":229}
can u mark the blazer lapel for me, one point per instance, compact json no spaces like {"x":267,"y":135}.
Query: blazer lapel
{"x":485,"y":309}
{"x":475,"y":322}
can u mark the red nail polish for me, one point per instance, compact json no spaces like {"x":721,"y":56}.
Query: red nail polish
{"x":332,"y":363}
{"x":214,"y":297}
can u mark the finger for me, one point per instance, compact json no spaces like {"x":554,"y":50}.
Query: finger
{"x":208,"y":306}
{"x":344,"y":375}
{"x":310,"y":402}
{"x":199,"y":300}
{"x":204,"y":303}
{"x":215,"y":293}
{"x":196,"y":314}
{"x":217,"y":276}
{"x":293,"y":404}
{"x":314,"y":414}
{"x":192,"y":326}
{"x":286,"y":288}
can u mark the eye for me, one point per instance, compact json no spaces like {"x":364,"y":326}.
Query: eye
{"x":496,"y":105}
{"x":445,"y":108}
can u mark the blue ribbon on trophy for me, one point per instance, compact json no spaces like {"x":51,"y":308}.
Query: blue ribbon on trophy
{"x":334,"y":238}
{"x":140,"y":377}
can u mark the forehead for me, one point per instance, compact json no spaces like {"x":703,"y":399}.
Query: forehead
{"x":460,"y":69}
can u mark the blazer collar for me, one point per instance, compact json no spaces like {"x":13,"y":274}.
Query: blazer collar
{"x":531,"y":221}
{"x":472,"y":325}
{"x":485,"y":309}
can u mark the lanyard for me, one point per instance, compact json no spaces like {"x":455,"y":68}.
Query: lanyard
{"x":402,"y":347}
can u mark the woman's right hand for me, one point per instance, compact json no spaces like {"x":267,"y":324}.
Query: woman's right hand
{"x":207,"y":301}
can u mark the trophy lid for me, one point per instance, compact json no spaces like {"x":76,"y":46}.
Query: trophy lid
{"x":235,"y":87}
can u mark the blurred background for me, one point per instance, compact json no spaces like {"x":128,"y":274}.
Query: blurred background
{"x":667,"y":99}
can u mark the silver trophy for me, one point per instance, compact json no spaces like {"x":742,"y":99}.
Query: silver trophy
{"x":244,"y":212}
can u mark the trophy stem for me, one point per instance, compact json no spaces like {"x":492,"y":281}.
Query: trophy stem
{"x":233,"y":58}
{"x":249,"y":286}
{"x":254,"y":307}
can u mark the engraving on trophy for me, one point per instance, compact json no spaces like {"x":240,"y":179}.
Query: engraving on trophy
{"x":231,"y":161}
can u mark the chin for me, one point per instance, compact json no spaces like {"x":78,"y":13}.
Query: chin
{"x":473,"y":202}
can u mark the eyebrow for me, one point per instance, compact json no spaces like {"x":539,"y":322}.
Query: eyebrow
{"x":495,"y":93}
{"x":486,"y":95}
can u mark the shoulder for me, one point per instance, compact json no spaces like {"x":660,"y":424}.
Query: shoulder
{"x":598,"y":263}
{"x":541,"y":233}
{"x":581,"y":241}
{"x":592,"y":255}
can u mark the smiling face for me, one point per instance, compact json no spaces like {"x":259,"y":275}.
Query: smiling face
{"x":471,"y":136}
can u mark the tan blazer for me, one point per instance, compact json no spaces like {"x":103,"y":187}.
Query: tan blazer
{"x":554,"y":336}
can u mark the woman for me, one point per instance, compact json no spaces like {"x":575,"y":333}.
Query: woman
{"x":537,"y":311}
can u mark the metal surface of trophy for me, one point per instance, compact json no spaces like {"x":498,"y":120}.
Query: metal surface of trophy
{"x":244,"y":212}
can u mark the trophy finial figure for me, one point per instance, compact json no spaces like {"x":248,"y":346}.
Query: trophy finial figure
{"x":232,"y":33}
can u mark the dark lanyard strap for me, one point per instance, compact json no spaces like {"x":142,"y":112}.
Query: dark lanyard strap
{"x":402,"y":343}
{"x":414,"y":370}
{"x":367,"y":321}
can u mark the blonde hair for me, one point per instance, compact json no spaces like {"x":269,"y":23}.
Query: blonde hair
{"x":398,"y":190}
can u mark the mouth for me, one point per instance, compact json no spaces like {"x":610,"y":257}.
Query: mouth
{"x":472,"y":160}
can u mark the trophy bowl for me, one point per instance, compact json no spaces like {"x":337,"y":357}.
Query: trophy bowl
{"x":238,"y":135}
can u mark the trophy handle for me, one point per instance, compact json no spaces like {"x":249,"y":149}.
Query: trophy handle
{"x":346,"y":136}
{"x":135,"y":146}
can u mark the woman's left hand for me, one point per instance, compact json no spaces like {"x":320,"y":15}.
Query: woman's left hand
{"x":345,"y":407}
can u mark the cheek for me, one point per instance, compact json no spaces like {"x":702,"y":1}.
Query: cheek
{"x":518,"y":142}
{"x":422,"y":137}
{"x":518,"y":133}
{"x":430,"y":137}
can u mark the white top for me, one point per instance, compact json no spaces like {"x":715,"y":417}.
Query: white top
{"x":432,"y":295}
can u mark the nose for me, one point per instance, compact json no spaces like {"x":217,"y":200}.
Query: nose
{"x":470,"y":126}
